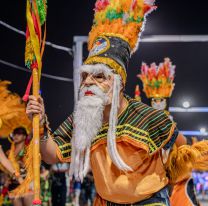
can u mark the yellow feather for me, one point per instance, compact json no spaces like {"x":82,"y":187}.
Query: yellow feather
{"x":182,"y":160}
{"x":12,"y":113}
{"x":25,"y":187}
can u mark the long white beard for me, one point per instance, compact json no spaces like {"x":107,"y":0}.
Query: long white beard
{"x":88,"y":117}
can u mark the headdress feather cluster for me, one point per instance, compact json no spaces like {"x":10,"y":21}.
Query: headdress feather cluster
{"x":158,"y":81}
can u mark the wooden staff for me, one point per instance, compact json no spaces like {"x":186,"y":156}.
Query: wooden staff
{"x":36,"y":139}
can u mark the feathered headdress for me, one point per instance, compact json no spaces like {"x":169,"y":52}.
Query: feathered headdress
{"x":115,"y":32}
{"x":12,"y":113}
{"x":158,"y":80}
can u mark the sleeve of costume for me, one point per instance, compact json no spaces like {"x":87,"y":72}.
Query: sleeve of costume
{"x":162,"y":131}
{"x":62,"y":137}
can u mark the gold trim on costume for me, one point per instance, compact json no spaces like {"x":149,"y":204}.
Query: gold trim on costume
{"x":124,"y":138}
{"x":126,"y":125}
{"x":109,"y":62}
{"x":125,"y":133}
{"x":60,"y":156}
{"x":65,"y":145}
{"x":65,"y":151}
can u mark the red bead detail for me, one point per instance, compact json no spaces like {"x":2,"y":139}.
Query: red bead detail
{"x":37,"y":202}
{"x":34,"y":65}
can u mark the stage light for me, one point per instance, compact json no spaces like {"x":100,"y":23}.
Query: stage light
{"x":186,"y":104}
{"x":203,"y":130}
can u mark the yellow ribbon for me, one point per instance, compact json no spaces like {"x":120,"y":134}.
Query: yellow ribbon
{"x":34,"y":37}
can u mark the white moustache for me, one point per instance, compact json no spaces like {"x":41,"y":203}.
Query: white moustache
{"x":97,"y":93}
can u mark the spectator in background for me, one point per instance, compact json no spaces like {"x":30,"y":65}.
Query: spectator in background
{"x":45,"y":186}
{"x":88,"y":190}
{"x":77,"y":192}
{"x":58,"y":187}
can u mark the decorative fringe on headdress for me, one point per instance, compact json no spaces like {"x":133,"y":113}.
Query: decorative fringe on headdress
{"x":183,"y":159}
{"x":123,"y":18}
{"x":26,"y":186}
{"x":12,"y":113}
{"x":158,"y":80}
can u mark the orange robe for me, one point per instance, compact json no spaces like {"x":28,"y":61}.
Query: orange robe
{"x":184,"y":194}
{"x":141,"y":134}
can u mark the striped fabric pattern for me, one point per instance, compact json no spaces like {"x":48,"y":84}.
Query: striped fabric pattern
{"x":62,"y":136}
{"x":145,"y":125}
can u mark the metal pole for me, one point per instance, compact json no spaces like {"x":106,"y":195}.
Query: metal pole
{"x":77,"y":62}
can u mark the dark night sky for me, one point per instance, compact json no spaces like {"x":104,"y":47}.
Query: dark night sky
{"x":69,"y":18}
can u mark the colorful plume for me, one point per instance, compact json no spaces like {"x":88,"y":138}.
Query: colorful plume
{"x":12,"y":113}
{"x":123,"y":18}
{"x":158,"y":81}
{"x":37,"y":14}
{"x":35,"y":40}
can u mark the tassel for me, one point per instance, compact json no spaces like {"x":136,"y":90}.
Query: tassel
{"x":27,"y":92}
{"x":12,"y":158}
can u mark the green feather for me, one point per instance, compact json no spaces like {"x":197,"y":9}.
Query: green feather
{"x":41,"y":10}
{"x":157,"y":84}
{"x":138,"y":20}
{"x":112,"y":14}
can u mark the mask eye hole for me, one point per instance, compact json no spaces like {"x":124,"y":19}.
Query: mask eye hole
{"x":84,"y":75}
{"x":100,"y":77}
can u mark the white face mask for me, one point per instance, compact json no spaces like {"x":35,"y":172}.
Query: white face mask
{"x":159,"y":104}
{"x":98,"y":89}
